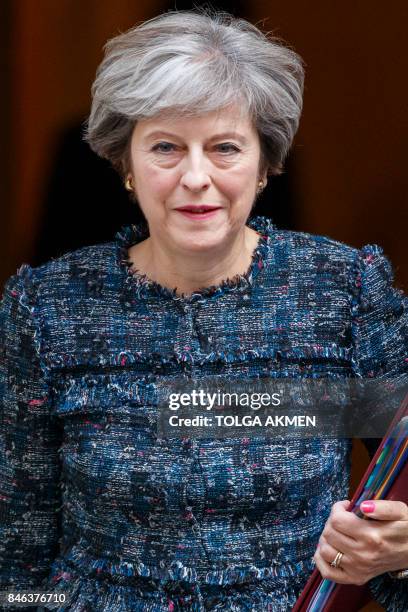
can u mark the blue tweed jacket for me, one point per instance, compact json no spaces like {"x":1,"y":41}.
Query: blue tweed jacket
{"x":95,"y":505}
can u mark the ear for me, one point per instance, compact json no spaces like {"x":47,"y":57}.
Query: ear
{"x":129,"y":182}
{"x":263,"y":176}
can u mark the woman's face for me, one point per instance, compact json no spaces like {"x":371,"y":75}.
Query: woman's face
{"x":179,"y":165}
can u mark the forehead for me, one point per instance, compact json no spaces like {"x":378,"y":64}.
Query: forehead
{"x":229,"y":120}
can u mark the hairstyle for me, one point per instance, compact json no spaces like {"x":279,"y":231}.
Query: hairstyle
{"x":189,"y":63}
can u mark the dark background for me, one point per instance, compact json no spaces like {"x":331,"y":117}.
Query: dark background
{"x":346,"y":176}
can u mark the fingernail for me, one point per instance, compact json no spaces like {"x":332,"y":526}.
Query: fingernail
{"x":367,"y":506}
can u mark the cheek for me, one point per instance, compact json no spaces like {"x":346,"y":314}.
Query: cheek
{"x":164,"y":184}
{"x":156,"y":183}
{"x":239,"y":187}
{"x":243,"y":177}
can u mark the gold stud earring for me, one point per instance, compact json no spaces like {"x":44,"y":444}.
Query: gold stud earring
{"x":261,"y":185}
{"x":128,"y":184}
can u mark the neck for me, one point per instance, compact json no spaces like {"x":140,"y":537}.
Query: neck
{"x":194,"y":271}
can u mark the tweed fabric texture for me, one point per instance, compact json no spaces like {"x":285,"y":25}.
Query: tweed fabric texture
{"x":93,"y":503}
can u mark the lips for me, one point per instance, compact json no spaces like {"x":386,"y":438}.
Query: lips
{"x":202,"y":208}
{"x":197,"y":212}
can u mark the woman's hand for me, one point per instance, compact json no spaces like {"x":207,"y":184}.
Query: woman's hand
{"x":369,"y":547}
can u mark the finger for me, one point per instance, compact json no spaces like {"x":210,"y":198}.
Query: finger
{"x":385,"y":510}
{"x":341,"y":505}
{"x":330,"y":573}
{"x":338,"y":540}
{"x":344,"y":522}
{"x":329,"y":553}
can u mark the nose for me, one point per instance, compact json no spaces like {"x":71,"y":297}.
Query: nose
{"x":195,"y":174}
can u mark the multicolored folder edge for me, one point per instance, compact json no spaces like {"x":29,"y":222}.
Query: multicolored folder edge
{"x":385,"y":478}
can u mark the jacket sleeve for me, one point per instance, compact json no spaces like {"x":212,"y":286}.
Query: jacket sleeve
{"x":29,"y":442}
{"x":380,"y":331}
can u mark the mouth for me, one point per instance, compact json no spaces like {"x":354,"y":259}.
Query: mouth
{"x":203,"y":211}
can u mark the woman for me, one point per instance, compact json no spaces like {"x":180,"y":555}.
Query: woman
{"x":194,"y":110}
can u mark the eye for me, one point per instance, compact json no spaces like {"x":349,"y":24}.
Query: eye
{"x":164,"y":147}
{"x":227,"y":147}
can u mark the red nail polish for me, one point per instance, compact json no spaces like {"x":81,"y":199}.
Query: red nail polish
{"x":367,"y":506}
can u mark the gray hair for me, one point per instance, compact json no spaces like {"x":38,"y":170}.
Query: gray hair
{"x":186,"y":63}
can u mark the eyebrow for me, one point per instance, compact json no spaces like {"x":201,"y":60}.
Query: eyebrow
{"x":234,"y":135}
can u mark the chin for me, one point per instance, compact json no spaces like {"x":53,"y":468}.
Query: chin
{"x":198,"y":246}
{"x":196,"y":243}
